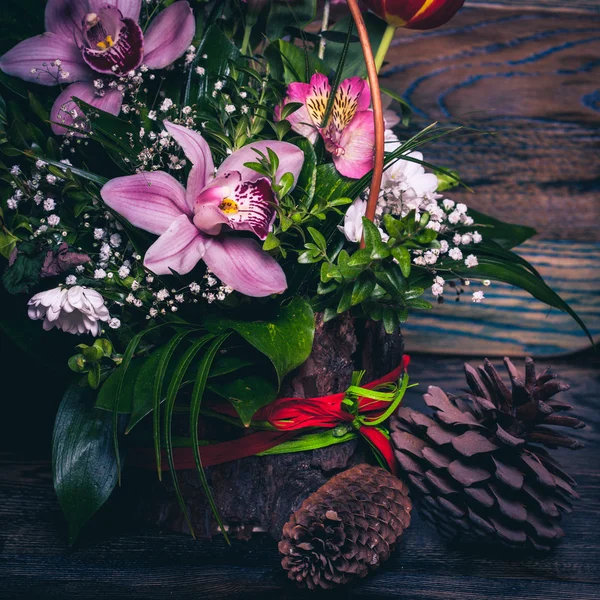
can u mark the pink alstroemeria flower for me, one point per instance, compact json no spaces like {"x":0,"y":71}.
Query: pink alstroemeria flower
{"x":349,"y":134}
{"x":196,"y":223}
{"x":91,"y":40}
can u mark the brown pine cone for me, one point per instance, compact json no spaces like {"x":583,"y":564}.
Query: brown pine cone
{"x":347,"y":528}
{"x":477,"y":469}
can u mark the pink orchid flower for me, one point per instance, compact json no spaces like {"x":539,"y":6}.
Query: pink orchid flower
{"x":91,"y":40}
{"x":349,"y":133}
{"x":196,"y":223}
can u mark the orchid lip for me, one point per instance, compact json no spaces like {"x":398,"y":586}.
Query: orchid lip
{"x":114,"y":45}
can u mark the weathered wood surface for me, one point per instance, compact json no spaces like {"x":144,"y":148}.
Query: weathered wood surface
{"x":510,"y":322}
{"x":119,"y":559}
{"x":530,"y":77}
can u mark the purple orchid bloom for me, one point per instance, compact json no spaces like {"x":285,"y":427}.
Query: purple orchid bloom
{"x":91,"y":40}
{"x":349,"y":133}
{"x":196,"y":223}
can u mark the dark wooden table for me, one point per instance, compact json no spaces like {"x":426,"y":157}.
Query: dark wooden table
{"x":117,"y":558}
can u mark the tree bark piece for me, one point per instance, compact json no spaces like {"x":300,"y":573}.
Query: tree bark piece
{"x":260,"y":493}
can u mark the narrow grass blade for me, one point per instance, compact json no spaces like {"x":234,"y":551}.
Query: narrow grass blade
{"x":196,"y":401}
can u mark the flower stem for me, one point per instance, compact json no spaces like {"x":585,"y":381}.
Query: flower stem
{"x":384,"y":45}
{"x":324,"y":26}
{"x":246,"y":40}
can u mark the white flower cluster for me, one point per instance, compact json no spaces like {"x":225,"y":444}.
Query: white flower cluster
{"x":407,"y":187}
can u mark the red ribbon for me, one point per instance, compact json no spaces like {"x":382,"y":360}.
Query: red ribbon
{"x":290,"y":416}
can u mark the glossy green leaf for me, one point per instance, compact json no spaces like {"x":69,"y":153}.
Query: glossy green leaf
{"x":246,"y":393}
{"x":402,"y":255}
{"x":286,"y":339}
{"x":84,"y":464}
{"x":363,"y":288}
{"x":110,"y":388}
{"x":507,"y":235}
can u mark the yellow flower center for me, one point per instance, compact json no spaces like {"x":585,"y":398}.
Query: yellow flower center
{"x":107,"y":43}
{"x":229,"y":206}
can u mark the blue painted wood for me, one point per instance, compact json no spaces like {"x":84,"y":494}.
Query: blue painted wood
{"x":511,"y":322}
{"x":531,"y":79}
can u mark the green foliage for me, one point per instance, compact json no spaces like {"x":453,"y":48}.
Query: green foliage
{"x":355,"y":62}
{"x":284,"y":13}
{"x":24,"y":273}
{"x":290,"y":63}
{"x":285,"y":337}
{"x":84,"y":464}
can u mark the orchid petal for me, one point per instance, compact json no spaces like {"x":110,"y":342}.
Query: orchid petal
{"x":130,"y":9}
{"x":291,"y":159}
{"x":178,"y":249}
{"x":241,"y":264}
{"x":62,"y":110}
{"x":197,"y":151}
{"x":358,"y":142}
{"x":300,"y":120}
{"x":169,"y":35}
{"x":37,"y":53}
{"x":208,"y":216}
{"x":64,"y":17}
{"x":150,"y":201}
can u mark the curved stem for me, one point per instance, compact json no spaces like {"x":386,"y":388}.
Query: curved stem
{"x":384,"y":45}
{"x":377,"y":110}
{"x":324,"y":26}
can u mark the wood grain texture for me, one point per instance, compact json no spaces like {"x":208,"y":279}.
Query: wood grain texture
{"x":554,"y":5}
{"x":510,"y":322}
{"x":530,"y":78}
{"x":119,"y":559}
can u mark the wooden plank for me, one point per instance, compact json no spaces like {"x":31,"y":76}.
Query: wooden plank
{"x":121,"y":559}
{"x":509,"y":322}
{"x":529,"y":77}
{"x":554,"y":5}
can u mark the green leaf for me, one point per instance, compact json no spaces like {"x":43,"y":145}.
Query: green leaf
{"x":355,"y":60}
{"x":506,"y":235}
{"x":290,"y":108}
{"x":299,"y":13}
{"x":220,"y":54}
{"x":318,"y":239}
{"x":172,"y":391}
{"x":110,"y":388}
{"x":84,"y":464}
{"x":363,"y":288}
{"x":329,"y":271}
{"x":246,"y":393}
{"x":347,"y":271}
{"x":392,"y":281}
{"x":390,"y":320}
{"x":516,"y":274}
{"x":419,"y":303}
{"x":8,"y":242}
{"x":307,"y":180}
{"x":402,"y":255}
{"x":345,"y":302}
{"x":286,"y":339}
{"x":288,"y":62}
{"x":271,"y":242}
{"x":195,"y":404}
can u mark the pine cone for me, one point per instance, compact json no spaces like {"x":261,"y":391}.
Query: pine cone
{"x":477,"y":469}
{"x":346,"y":528}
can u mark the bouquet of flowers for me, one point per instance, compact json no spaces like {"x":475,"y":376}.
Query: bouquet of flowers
{"x":187,"y":186}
